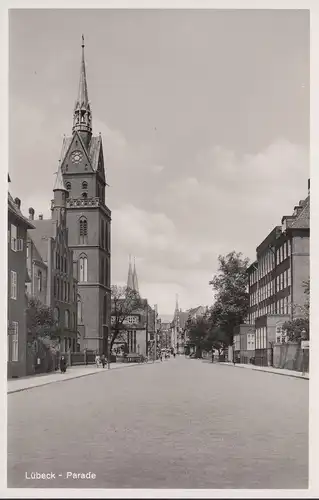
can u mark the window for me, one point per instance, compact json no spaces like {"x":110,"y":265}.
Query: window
{"x":15,"y":341}
{"x":102,"y":271}
{"x":288,"y":248}
{"x":56,"y":315}
{"x":289,"y":276}
{"x":14,"y":237}
{"x":13,"y":285}
{"x":84,"y":195}
{"x":58,"y":288}
{"x":285,"y":251}
{"x":102,"y":233}
{"x":67,"y":319}
{"x":106,"y":236}
{"x":83,"y":268}
{"x":68,"y":186}
{"x":106,"y":272}
{"x":83,"y":230}
{"x":39,"y":281}
{"x":84,"y":185}
{"x":79,"y":310}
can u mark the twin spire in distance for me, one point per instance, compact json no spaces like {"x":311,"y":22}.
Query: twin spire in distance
{"x":132,"y":281}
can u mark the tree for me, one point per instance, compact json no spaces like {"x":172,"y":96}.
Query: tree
{"x":40,"y":321}
{"x":298,"y":329}
{"x":125,"y":301}
{"x":231,"y":294}
{"x":198,"y":334}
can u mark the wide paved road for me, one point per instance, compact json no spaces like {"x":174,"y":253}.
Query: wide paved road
{"x":177,"y":424}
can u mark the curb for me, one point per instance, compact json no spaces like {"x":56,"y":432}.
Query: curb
{"x":267,"y":371}
{"x":67,"y":379}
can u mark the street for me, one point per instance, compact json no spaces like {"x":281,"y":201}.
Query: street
{"x":177,"y":424}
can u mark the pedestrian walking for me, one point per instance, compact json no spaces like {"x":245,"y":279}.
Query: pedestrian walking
{"x":103,"y":360}
{"x":97,"y":360}
{"x":174,"y":354}
{"x":63,"y":364}
{"x":212,"y":356}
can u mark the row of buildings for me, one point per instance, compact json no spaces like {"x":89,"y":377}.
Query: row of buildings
{"x":276,"y":287}
{"x":64,"y":261}
{"x":276,"y":290}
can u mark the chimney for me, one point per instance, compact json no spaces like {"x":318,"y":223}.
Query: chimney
{"x":17,"y":201}
{"x":31,"y":213}
{"x":40,"y":216}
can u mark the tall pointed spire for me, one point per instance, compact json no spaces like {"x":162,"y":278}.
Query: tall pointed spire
{"x":130,"y":275}
{"x":82,"y":118}
{"x":135,"y":280}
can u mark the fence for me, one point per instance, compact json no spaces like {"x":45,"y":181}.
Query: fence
{"x":291,"y":357}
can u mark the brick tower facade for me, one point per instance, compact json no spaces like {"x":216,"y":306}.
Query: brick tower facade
{"x":88,"y":221}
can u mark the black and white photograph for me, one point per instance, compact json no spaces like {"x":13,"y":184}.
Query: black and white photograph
{"x":158,"y":249}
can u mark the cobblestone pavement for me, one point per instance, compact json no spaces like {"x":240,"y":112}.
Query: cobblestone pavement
{"x":177,"y":424}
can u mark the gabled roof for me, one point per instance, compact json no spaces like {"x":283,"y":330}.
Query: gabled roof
{"x":302,"y":221}
{"x":93,"y":151}
{"x":13,"y":208}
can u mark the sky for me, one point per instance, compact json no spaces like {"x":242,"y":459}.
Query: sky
{"x":204,"y":117}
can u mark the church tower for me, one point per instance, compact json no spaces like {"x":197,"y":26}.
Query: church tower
{"x":88,"y":221}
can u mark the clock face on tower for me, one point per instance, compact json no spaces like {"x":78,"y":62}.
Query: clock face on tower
{"x":76,"y":156}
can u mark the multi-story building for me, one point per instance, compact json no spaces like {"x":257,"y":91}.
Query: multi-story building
{"x":18,"y":226}
{"x":88,"y":220}
{"x":276,"y":280}
{"x":50,"y":266}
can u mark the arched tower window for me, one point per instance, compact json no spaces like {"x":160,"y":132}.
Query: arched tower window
{"x":83,"y":268}
{"x":83,"y":230}
{"x":106,"y":237}
{"x":102,"y":271}
{"x":67,"y":319}
{"x":39,"y":281}
{"x":84,"y":185}
{"x":79,"y":310}
{"x":56,"y":315}
{"x":102,"y":233}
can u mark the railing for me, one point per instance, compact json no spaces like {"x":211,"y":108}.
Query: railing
{"x":83,"y":202}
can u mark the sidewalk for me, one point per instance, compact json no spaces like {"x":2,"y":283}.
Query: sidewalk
{"x":270,"y":369}
{"x":22,"y":384}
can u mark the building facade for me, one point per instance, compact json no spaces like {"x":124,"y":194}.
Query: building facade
{"x":89,"y":221}
{"x":276,"y":280}
{"x":50,"y":264}
{"x":18,"y":226}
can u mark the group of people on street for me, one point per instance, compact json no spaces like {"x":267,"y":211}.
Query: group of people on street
{"x":100,"y":360}
{"x":165,"y":353}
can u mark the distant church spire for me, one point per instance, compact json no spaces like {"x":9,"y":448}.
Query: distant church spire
{"x":82,"y":118}
{"x":176,"y":305}
{"x":135,"y":280}
{"x":130,"y":275}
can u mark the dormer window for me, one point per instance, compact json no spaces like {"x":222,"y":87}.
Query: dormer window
{"x":84,"y":185}
{"x":68,"y":186}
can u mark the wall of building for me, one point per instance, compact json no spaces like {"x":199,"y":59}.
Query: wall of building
{"x":300,"y":270}
{"x":16,"y":307}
